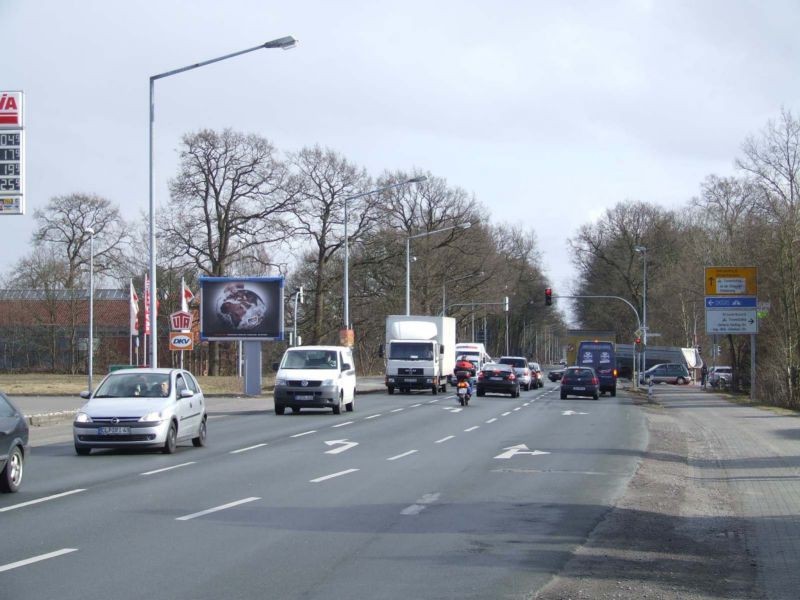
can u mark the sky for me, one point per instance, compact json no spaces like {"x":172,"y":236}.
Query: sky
{"x":548,"y":112}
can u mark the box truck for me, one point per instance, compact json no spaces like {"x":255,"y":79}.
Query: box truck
{"x":420,"y":352}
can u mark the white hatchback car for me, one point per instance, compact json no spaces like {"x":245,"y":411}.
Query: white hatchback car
{"x":142,"y":407}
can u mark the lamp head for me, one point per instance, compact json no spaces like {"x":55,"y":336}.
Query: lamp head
{"x":465,"y":225}
{"x":640,"y":248}
{"x":419,"y":179}
{"x":284,"y":43}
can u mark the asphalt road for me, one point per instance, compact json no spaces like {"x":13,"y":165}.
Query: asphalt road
{"x":410,"y":496}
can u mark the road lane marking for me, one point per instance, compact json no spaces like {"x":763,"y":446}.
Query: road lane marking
{"x":342,"y":424}
{"x":217,"y":509}
{"x":186,"y":464}
{"x":248,"y":448}
{"x":343,"y":445}
{"x":527,"y":404}
{"x":396,"y":410}
{"x":505,"y":414}
{"x":513,"y":451}
{"x":403,"y":455}
{"x":35,"y":559}
{"x":420,"y":505}
{"x":518,"y":408}
{"x":472,"y":428}
{"x":492,"y":420}
{"x":415,"y":405}
{"x":372,"y":417}
{"x":297,"y":435}
{"x":332,"y":475}
{"x":434,"y":401}
{"x":444,"y":439}
{"x":38,"y":500}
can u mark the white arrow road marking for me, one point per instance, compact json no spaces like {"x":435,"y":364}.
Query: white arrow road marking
{"x":332,"y":475}
{"x":566,"y":413}
{"x":512,"y":451}
{"x":345,"y":445}
{"x":420,"y":505}
{"x":216,"y":509}
{"x":186,"y":464}
{"x":45,"y":499}
{"x":35,"y":559}
{"x":240,"y":450}
{"x":403,"y":455}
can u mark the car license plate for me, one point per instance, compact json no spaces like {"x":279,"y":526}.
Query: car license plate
{"x":462,"y":391}
{"x":411,"y":379}
{"x":578,"y":388}
{"x":304,"y":397}
{"x":114,"y":430}
{"x":496,"y":378}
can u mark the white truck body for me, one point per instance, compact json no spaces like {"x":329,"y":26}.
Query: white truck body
{"x":475,"y":353}
{"x":420,"y":352}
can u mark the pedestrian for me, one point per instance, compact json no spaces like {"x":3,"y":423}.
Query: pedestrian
{"x":704,"y":375}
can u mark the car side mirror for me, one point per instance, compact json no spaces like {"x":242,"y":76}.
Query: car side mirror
{"x":86,"y":394}
{"x":186,"y":393}
{"x":346,"y":367}
{"x":441,"y":349}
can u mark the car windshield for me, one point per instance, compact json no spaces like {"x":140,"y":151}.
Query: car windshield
{"x":411,"y":351}
{"x":310,"y":359}
{"x":520,"y":363}
{"x":496,"y":367}
{"x":127,"y":385}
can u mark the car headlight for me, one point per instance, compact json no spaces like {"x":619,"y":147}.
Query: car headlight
{"x":280,"y":382}
{"x":151,"y":417}
{"x":327,"y":382}
{"x":82,"y":417}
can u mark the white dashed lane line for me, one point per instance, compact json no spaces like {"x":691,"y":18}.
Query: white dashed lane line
{"x":332,"y":475}
{"x":444,"y":439}
{"x":38,"y":500}
{"x":396,"y":410}
{"x":472,"y":428}
{"x":240,"y":450}
{"x":342,"y":424}
{"x":403,"y":455}
{"x":505,"y":414}
{"x":186,"y":464}
{"x":492,"y":420}
{"x":35,"y":559}
{"x":420,"y":504}
{"x":372,"y":417}
{"x":217,"y":509}
{"x":297,"y":435}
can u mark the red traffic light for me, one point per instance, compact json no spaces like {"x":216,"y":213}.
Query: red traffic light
{"x":548,"y":296}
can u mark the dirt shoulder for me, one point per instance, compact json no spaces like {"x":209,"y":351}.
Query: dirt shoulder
{"x":678,"y":532}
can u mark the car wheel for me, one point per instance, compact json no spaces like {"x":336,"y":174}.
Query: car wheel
{"x":563,"y":396}
{"x":481,"y":393}
{"x":595,"y":396}
{"x":390,"y":389}
{"x":279,"y":409}
{"x":172,"y":440}
{"x":295,"y":410}
{"x":11,"y":477}
{"x":337,"y":408}
{"x":351,"y":406}
{"x":681,"y":381}
{"x":200,"y":440}
{"x":614,"y":391}
{"x":82,"y":450}
{"x":435,"y":390}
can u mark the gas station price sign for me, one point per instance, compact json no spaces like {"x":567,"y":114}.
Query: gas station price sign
{"x":12,"y":154}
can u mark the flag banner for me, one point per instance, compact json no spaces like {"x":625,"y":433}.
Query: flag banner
{"x":146,"y":305}
{"x":134,"y":311}
{"x":186,"y":296}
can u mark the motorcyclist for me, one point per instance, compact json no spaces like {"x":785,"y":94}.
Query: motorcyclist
{"x":464,"y":369}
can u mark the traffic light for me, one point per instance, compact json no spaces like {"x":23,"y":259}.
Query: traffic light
{"x":548,"y":296}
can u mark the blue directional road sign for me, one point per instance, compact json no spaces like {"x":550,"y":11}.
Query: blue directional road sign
{"x":731,"y":301}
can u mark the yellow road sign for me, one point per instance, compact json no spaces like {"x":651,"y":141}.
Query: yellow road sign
{"x":734,"y":281}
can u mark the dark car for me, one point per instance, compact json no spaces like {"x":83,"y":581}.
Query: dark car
{"x":523,"y":373}
{"x":498,"y":378}
{"x":555,"y":374}
{"x":676,"y":373}
{"x":580,"y":381}
{"x":13,"y":445}
{"x":537,"y":376}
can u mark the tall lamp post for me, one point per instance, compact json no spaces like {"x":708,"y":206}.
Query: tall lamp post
{"x":285,"y":43}
{"x":643,"y":250}
{"x":346,"y":307}
{"x":408,"y":256}
{"x":90,"y":344}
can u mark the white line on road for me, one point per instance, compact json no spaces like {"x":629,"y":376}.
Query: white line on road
{"x":342,"y":424}
{"x":35,"y":559}
{"x":332,"y":475}
{"x":505,"y":414}
{"x":297,"y":435}
{"x":518,"y":408}
{"x":420,"y":505}
{"x":217,"y":509}
{"x":186,"y":464}
{"x":372,"y":417}
{"x":396,"y":410}
{"x":248,"y":448}
{"x":444,"y":439}
{"x":472,"y":428}
{"x":403,"y":455}
{"x":527,"y":404}
{"x":415,"y":405}
{"x":38,"y":500}
{"x":434,"y":401}
{"x":492,"y":420}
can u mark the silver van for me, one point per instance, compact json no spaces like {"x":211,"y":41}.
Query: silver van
{"x":315,"y":377}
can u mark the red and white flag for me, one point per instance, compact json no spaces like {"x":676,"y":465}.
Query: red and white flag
{"x":134,"y":310}
{"x":186,"y":296}
{"x":146,"y":305}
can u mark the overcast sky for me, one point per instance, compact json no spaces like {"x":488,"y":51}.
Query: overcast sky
{"x":549,"y":112}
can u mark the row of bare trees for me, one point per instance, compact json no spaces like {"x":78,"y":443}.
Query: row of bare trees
{"x":750,"y":219}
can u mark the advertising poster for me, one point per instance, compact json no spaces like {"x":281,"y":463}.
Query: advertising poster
{"x":241,"y":308}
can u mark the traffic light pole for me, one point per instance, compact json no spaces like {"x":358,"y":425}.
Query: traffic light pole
{"x":638,"y":321}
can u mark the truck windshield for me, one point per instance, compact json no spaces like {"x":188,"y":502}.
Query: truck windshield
{"x":411,"y":351}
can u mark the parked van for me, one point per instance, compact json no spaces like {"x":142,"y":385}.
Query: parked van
{"x":315,"y":377}
{"x":601,"y":357}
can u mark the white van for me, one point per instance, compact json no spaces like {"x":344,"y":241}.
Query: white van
{"x":315,"y":377}
{"x":475,"y":353}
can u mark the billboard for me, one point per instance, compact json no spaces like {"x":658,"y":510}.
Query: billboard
{"x":241,"y":308}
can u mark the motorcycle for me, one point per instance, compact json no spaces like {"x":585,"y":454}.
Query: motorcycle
{"x":463,"y":389}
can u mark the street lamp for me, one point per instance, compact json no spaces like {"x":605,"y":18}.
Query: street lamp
{"x":643,"y":250}
{"x":408,"y":256}
{"x":346,"y":307}
{"x":90,"y":231}
{"x":284,"y":43}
